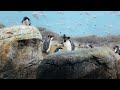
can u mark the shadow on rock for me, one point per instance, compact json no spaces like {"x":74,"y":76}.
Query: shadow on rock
{"x":97,"y":63}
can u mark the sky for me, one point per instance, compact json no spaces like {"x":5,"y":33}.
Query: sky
{"x":71,"y":23}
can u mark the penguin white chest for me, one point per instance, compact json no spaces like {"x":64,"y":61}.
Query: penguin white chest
{"x":67,"y":44}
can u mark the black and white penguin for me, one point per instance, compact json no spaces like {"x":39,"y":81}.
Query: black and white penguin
{"x":117,"y":49}
{"x":26,"y":21}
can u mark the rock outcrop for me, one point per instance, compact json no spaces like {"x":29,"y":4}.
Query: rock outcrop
{"x":21,"y":58}
{"x":20,"y":52}
{"x":97,"y":63}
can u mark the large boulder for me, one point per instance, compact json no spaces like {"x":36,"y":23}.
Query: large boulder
{"x":20,"y":52}
{"x":97,"y":63}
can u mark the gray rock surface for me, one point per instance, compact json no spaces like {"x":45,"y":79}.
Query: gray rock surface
{"x":20,"y":54}
{"x":98,"y":63}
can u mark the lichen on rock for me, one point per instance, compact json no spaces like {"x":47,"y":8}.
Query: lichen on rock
{"x":20,"y":50}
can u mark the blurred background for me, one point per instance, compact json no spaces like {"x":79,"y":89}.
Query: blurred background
{"x":72,"y":23}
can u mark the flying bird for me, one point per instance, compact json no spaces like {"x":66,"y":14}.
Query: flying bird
{"x":60,"y":12}
{"x":37,"y":14}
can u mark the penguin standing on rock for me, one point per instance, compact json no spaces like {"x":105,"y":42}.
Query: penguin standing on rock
{"x":26,"y":21}
{"x":117,"y":49}
{"x":68,"y":43}
{"x":46,"y":43}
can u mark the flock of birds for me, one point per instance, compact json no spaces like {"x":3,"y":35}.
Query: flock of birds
{"x":43,"y":14}
{"x":51,"y":46}
{"x":39,"y":14}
